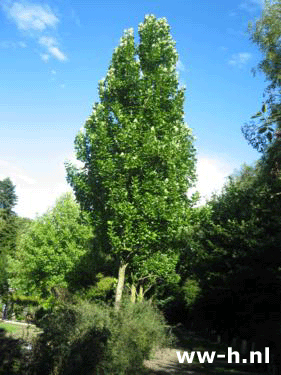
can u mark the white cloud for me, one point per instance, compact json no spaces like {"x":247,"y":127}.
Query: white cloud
{"x":36,"y":201}
{"x":180,"y":66}
{"x":47,"y":41}
{"x":17,"y":174}
{"x":251,"y":6}
{"x":11,"y":44}
{"x":31,"y":16}
{"x":212,"y":174}
{"x":75,"y":18}
{"x":35,"y":196}
{"x":34,"y":20}
{"x":22,"y":44}
{"x":52,"y":46}
{"x":240,"y":59}
{"x":72,"y":158}
{"x":45,"y":57}
{"x":57,"y":53}
{"x":7,"y":44}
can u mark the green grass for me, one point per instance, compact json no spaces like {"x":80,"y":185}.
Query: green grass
{"x":19,"y":331}
{"x":11,"y":328}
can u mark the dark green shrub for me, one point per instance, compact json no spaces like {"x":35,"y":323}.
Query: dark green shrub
{"x":103,"y":290}
{"x":73,"y":340}
{"x":52,"y":347}
{"x":135,"y":330}
{"x":94,"y":339}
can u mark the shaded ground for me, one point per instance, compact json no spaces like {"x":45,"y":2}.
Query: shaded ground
{"x":165,"y":361}
{"x":15,"y":345}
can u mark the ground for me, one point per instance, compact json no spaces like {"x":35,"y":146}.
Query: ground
{"x":19,"y":330}
{"x":165,"y":361}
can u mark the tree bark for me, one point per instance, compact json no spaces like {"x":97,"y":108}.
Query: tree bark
{"x":133,"y":293}
{"x":120,"y":285}
{"x":140,"y":295}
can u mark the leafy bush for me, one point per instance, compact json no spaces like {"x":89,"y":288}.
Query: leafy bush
{"x":52,"y":347}
{"x":135,"y":330}
{"x":103,"y":289}
{"x":191,"y":291}
{"x":95,"y":339}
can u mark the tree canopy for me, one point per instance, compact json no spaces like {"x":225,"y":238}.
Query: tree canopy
{"x":50,"y":248}
{"x":138,"y":154}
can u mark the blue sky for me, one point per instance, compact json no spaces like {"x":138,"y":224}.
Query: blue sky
{"x":54,"y":52}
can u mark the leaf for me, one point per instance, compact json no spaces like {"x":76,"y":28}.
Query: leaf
{"x":262,"y":130}
{"x":258,"y":114}
{"x":264,"y":109}
{"x":269,"y":136}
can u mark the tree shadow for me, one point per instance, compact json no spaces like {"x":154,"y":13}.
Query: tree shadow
{"x":12,"y":356}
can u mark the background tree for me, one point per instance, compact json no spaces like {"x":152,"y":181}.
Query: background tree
{"x":266,"y":33}
{"x":49,"y":249}
{"x":238,"y":257}
{"x":137,"y":152}
{"x":8,"y":228}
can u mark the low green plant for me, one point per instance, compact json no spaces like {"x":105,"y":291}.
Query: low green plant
{"x":191,"y":291}
{"x":135,"y":330}
{"x":90,"y":338}
{"x":103,"y":289}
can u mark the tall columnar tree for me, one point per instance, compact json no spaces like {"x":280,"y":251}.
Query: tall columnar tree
{"x":138,"y":154}
{"x":8,"y":228}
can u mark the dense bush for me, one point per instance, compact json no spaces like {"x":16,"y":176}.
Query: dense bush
{"x":135,"y":331}
{"x":94,"y":339}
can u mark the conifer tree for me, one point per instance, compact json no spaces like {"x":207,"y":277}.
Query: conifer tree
{"x":138,"y":154}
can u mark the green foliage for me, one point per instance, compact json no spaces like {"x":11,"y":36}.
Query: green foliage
{"x":233,"y":231}
{"x":135,"y":331}
{"x":238,"y":263}
{"x":48,"y":251}
{"x":103,"y":289}
{"x":8,"y":229}
{"x":23,"y":307}
{"x":266,"y":33}
{"x":52,"y":346}
{"x":191,"y":291}
{"x":94,"y":339}
{"x":137,"y":152}
{"x":8,"y":196}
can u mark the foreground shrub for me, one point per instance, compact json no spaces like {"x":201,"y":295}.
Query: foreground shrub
{"x":96,"y":340}
{"x":135,"y":331}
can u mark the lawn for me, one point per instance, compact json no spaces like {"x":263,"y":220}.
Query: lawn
{"x":19,"y":331}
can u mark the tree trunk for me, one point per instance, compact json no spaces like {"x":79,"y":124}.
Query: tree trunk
{"x":133,"y":293}
{"x":120,"y":285}
{"x":141,"y":295}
